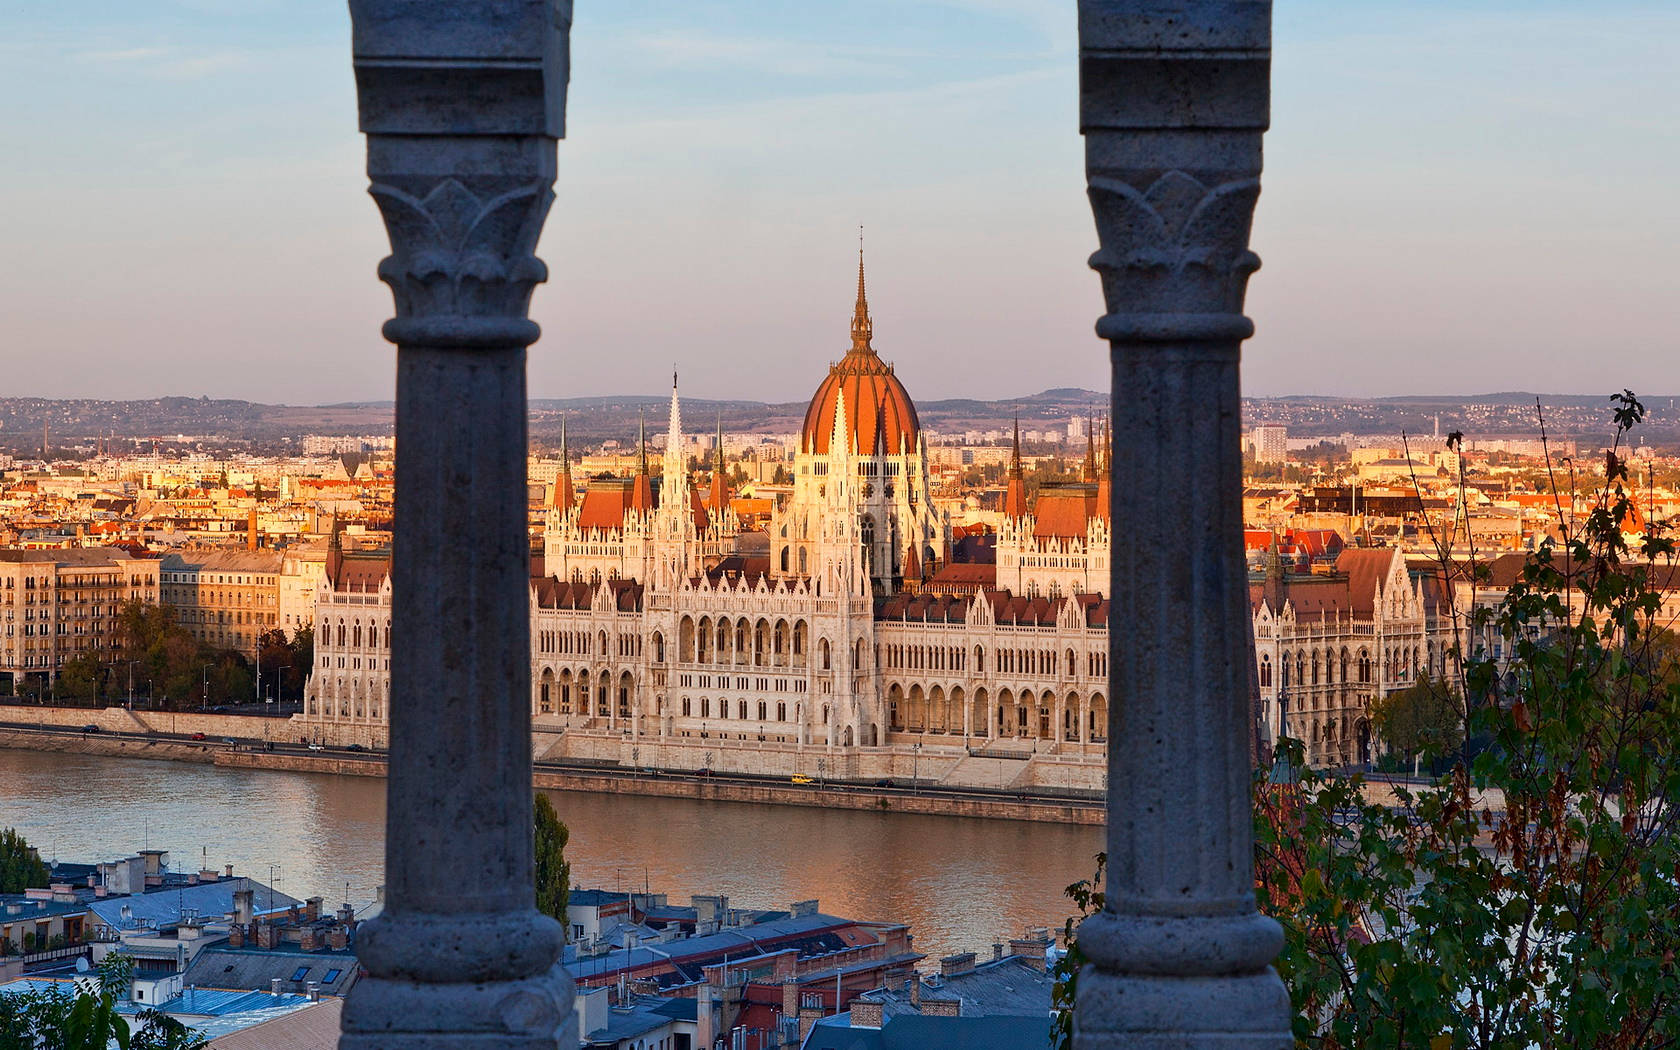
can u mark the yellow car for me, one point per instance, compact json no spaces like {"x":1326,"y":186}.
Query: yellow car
{"x":800,"y":778}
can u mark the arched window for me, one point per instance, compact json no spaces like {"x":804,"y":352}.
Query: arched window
{"x":785,"y":560}
{"x":763,"y":711}
{"x":825,"y":655}
{"x":804,"y":569}
{"x":685,"y":707}
{"x":741,"y":708}
{"x":781,"y":712}
{"x":1266,"y":671}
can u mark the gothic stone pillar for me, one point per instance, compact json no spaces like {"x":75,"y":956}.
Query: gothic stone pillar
{"x":1173,"y":102}
{"x":461,"y":102}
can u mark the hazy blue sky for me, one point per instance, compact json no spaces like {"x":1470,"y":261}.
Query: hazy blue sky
{"x":1459,"y":197}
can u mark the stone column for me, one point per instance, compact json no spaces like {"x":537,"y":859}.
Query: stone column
{"x":461,"y":102}
{"x":1173,"y":102}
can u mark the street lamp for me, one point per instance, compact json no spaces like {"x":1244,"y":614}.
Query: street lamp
{"x":204,"y":702}
{"x":916,"y":768}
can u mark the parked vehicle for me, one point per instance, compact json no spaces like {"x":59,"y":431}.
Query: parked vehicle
{"x":355,"y":747}
{"x":703,"y":771}
{"x":198,"y":736}
{"x":316,"y":747}
{"x":800,"y":778}
{"x":90,"y":728}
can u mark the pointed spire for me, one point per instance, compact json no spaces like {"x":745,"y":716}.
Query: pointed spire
{"x":335,"y":552}
{"x":1015,"y":495}
{"x":641,"y":490}
{"x":1105,"y":483}
{"x":862,"y":328}
{"x":720,"y":478}
{"x":1090,"y":469}
{"x":565,"y":498}
{"x":675,"y":466}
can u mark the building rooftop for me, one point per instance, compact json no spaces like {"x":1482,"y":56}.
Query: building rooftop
{"x":164,"y":907}
{"x":251,"y":967}
{"x":914,"y":1032}
{"x":645,"y":1013}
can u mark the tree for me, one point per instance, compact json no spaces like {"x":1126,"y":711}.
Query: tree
{"x":554,"y":872}
{"x":56,"y":1019}
{"x":1529,"y":897}
{"x":20,"y":867}
{"x":303,"y":659}
{"x":1420,"y":719}
{"x":82,"y":677}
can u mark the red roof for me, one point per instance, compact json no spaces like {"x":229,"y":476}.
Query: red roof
{"x":1062,"y":515}
{"x":604,"y":507}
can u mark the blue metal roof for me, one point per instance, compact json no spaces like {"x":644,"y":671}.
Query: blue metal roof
{"x":219,"y":1002}
{"x":32,"y":909}
{"x":736,"y":940}
{"x":595,"y":898}
{"x":207,"y":899}
{"x":212,"y":1012}
{"x":642,"y":1016}
{"x":909,"y":1032}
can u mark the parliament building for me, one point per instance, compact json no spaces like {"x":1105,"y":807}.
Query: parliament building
{"x":849,"y":644}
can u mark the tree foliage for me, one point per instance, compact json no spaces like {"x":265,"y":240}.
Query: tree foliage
{"x":88,"y":1019}
{"x":178,"y":671}
{"x":1425,"y":718}
{"x":1529,"y":898}
{"x":553,"y":871}
{"x":20,"y":868}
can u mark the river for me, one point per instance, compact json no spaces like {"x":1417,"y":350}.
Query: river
{"x":960,"y":883}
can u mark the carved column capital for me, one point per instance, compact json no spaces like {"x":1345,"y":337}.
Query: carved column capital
{"x":1173,"y":102}
{"x":462,"y":103}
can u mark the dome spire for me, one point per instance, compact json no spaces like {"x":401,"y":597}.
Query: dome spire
{"x":861,"y":325}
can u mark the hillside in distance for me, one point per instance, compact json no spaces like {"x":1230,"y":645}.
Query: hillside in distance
{"x":229,"y":424}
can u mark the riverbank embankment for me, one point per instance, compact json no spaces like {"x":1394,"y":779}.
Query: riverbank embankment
{"x":248,"y":750}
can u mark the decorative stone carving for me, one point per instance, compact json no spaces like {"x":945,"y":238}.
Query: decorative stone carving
{"x":461,"y":102}
{"x":463,"y":260}
{"x":1174,"y":100}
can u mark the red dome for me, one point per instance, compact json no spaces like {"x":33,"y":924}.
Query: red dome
{"x":880,"y":417}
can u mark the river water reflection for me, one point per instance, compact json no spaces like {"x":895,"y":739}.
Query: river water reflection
{"x":960,"y":883}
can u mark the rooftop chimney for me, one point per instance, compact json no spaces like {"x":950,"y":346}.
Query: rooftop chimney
{"x":243,"y":911}
{"x":313,"y":990}
{"x":865,"y":1014}
{"x":915,"y":984}
{"x":274,"y":986}
{"x":952,"y":965}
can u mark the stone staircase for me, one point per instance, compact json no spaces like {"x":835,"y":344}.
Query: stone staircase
{"x":986,"y":772}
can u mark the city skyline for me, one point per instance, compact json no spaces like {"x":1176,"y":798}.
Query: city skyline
{"x":187,"y":202}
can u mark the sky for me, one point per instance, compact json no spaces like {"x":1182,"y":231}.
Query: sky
{"x":1459,"y":197}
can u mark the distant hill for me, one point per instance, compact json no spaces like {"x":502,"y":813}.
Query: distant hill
{"x":234,"y":424}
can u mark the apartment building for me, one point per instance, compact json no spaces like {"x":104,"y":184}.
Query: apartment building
{"x":59,"y":604}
